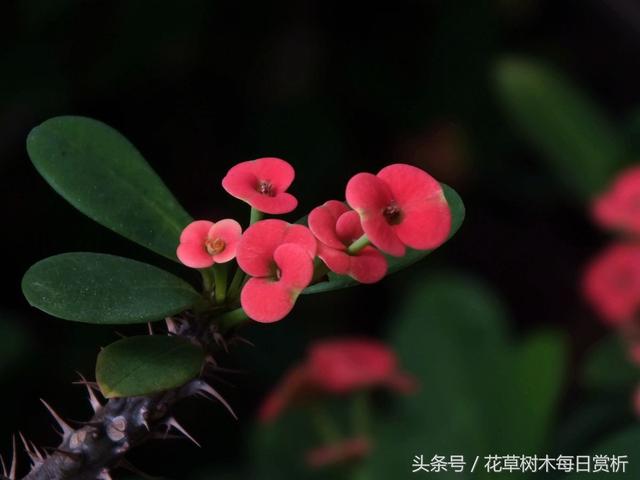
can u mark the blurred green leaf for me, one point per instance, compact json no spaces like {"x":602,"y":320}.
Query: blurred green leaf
{"x":101,"y":173}
{"x":581,"y":146}
{"x":147,"y":364}
{"x":336,"y":282}
{"x":476,"y":386}
{"x":626,"y":442}
{"x":105,"y":289}
{"x":608,"y":367}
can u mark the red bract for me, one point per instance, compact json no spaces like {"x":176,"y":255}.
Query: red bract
{"x":612,"y":283}
{"x":203,"y":243}
{"x":402,"y":206}
{"x":619,"y":207}
{"x":338,"y":367}
{"x":279,"y":257}
{"x":336,"y":227}
{"x":262,"y":183}
{"x":344,"y":365}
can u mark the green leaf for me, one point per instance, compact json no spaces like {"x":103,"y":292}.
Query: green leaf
{"x":579,"y":143}
{"x":336,"y":282}
{"x":147,"y":364}
{"x":608,"y":367}
{"x":101,"y":173}
{"x":451,"y":334}
{"x":105,"y":289}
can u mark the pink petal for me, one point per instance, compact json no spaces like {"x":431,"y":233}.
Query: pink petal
{"x":383,"y":235}
{"x":194,"y":255}
{"x":191,"y":251}
{"x":196,"y":232}
{"x":292,"y":386}
{"x":369,"y":266}
{"x":367,"y":194}
{"x":268,"y":300}
{"x":349,"y":227}
{"x":256,"y":247}
{"x":302,"y":236}
{"x":322,"y":222}
{"x":265,"y":300}
{"x":295,"y":265}
{"x":281,"y":203}
{"x":425,"y":226}
{"x":275,"y":171}
{"x":336,"y":260}
{"x":410,"y":185}
{"x":243,"y":179}
{"x":230,"y":232}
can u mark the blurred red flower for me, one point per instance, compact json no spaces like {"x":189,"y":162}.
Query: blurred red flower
{"x":351,"y":449}
{"x":338,"y":366}
{"x":619,"y":207}
{"x":612,"y":283}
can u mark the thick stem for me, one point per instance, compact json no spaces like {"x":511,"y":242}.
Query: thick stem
{"x":231,"y":320}
{"x":90,"y":452}
{"x":256,"y":216}
{"x":220,"y":276}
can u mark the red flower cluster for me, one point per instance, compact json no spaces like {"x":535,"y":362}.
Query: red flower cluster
{"x":402,"y":206}
{"x":612,"y":280}
{"x":337,"y":367}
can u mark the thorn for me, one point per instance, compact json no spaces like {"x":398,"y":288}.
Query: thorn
{"x":203,"y":388}
{"x":66,"y":429}
{"x":121,"y":335}
{"x":220,"y":341}
{"x":93,"y":400}
{"x":243,"y":340}
{"x":209,"y":360}
{"x":104,"y":475}
{"x":172,"y":422}
{"x":14,"y":459}
{"x":150,"y":328}
{"x":34,"y":456}
{"x":4,"y":467}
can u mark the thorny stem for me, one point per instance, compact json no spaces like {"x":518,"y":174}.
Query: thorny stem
{"x":230,"y":320}
{"x":99,"y":445}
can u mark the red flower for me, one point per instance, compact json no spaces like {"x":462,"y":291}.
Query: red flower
{"x":203,"y":243}
{"x":279,"y":257}
{"x":619,"y":207}
{"x":402,"y":206}
{"x":262,"y":183}
{"x":337,"y":367}
{"x":612,"y":283}
{"x":336,"y":227}
{"x":349,"y":450}
{"x":345,"y":365}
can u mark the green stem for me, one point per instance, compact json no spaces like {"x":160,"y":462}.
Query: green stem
{"x":236,"y":283}
{"x":256,"y":216}
{"x":207,"y":281}
{"x":361,"y":414}
{"x":220,"y":276}
{"x":232,"y":319}
{"x":324,"y":425}
{"x":358,"y":245}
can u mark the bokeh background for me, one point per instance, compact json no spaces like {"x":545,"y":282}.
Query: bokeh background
{"x":335,"y":88}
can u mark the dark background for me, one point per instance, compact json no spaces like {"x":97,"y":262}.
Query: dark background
{"x":334,"y":88}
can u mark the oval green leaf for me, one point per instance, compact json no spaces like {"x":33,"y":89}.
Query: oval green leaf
{"x":579,"y":143}
{"x":105,"y":289}
{"x":144,"y":365}
{"x":336,"y":282}
{"x":98,"y":171}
